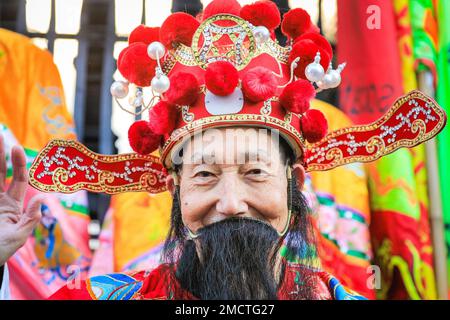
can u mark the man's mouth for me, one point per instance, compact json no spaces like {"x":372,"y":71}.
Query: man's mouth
{"x":238,"y":222}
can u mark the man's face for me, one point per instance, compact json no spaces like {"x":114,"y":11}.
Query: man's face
{"x":233,"y":195}
{"x":233,"y":172}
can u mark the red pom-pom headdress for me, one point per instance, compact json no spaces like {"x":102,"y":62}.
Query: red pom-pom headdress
{"x":221,"y":7}
{"x":296,"y":22}
{"x":144,"y":34}
{"x":178,"y":28}
{"x":183,"y":89}
{"x":262,"y":13}
{"x":142,"y":138}
{"x":221,"y":78}
{"x":135,"y":65}
{"x":259,"y":84}
{"x":228,"y":71}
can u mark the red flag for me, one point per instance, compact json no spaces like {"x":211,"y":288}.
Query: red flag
{"x":372,"y":79}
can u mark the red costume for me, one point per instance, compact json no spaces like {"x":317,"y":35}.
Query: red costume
{"x":154,"y":285}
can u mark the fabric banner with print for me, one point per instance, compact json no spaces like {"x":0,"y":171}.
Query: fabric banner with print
{"x":443,"y":98}
{"x":378,"y":56}
{"x":371,"y":80}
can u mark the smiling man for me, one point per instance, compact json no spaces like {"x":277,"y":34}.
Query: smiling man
{"x":237,"y":201}
{"x":237,"y":216}
{"x":236,"y":135}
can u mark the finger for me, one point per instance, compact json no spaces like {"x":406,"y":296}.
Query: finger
{"x":19,"y":183}
{"x":32,"y":214}
{"x":2,"y":164}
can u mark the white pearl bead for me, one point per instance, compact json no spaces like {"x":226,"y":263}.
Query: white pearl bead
{"x":328,"y":80}
{"x":335,"y":78}
{"x":322,"y":85}
{"x":156,"y":50}
{"x":119,"y":89}
{"x":262,"y":34}
{"x":314,"y":72}
{"x":160,"y":84}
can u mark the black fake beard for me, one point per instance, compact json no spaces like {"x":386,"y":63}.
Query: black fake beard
{"x":179,"y":253}
{"x":237,"y":261}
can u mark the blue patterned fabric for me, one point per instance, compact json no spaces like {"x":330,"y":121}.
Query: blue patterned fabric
{"x":116,"y":286}
{"x":339,"y":292}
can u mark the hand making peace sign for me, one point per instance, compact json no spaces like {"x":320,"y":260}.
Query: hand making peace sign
{"x":16,"y":224}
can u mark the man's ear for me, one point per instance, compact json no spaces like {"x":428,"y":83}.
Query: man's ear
{"x":298,"y":172}
{"x":170,"y":184}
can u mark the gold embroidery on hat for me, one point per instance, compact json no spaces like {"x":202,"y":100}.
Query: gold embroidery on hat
{"x":266,"y":109}
{"x":239,"y":52}
{"x":188,"y":117}
{"x":242,"y":50}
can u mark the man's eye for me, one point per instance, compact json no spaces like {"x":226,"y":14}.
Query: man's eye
{"x":255,"y":172}
{"x":204,"y":174}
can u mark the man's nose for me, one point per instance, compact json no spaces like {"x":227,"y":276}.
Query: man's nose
{"x":231,"y":198}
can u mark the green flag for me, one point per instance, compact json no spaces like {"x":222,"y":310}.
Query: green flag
{"x":425,"y":34}
{"x":443,"y":98}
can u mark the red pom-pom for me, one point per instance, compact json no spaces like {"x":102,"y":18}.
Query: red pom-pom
{"x":307,"y":50}
{"x":262,"y":13}
{"x":297,"y":96}
{"x":178,"y":28}
{"x":121,"y":54}
{"x":221,"y":78}
{"x":183,"y":90}
{"x":135,"y":64}
{"x":221,"y":6}
{"x":259,"y":84}
{"x":319,"y":40}
{"x":162,"y":118}
{"x":314,"y":125}
{"x":296,"y":22}
{"x":142,"y":139}
{"x":144,"y":34}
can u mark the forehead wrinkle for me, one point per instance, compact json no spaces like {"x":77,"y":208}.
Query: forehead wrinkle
{"x":259,"y":155}
{"x":196,"y":158}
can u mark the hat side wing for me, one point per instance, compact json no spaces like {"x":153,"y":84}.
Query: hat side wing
{"x":67,"y":166}
{"x":413,"y":119}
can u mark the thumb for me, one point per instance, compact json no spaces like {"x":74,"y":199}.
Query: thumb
{"x":32,"y":214}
